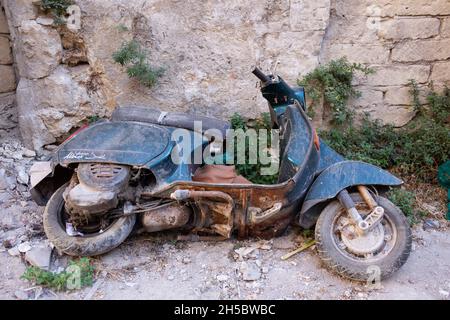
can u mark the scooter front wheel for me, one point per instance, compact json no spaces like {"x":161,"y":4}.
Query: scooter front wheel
{"x":375,"y":255}
{"x":91,"y":244}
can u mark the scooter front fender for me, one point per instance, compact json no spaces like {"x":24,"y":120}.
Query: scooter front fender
{"x":334,"y":179}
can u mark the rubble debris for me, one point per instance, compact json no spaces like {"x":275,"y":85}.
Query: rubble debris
{"x":14,"y":252}
{"x":39,"y":256}
{"x":22,"y":175}
{"x":444,"y":293}
{"x":3,"y":182}
{"x":21,"y":295}
{"x":186,"y":260}
{"x":24,"y":247}
{"x":28,"y":153}
{"x":250,"y":271}
{"x":243,"y":252}
{"x":222,"y":277}
{"x":431,"y":224}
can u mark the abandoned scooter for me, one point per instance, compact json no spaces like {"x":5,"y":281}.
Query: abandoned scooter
{"x":116,"y":175}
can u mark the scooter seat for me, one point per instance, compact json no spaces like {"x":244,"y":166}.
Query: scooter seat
{"x":170,"y":119}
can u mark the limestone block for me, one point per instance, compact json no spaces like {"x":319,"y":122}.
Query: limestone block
{"x":395,"y":75}
{"x":3,"y":22}
{"x":38,"y":51}
{"x":413,"y":8}
{"x":42,"y":116}
{"x":421,"y":50}
{"x":445,"y":29}
{"x":7,"y":79}
{"x":440,"y":73}
{"x":409,"y":28}
{"x":5,"y":51}
{"x":359,"y":53}
{"x":20,"y":11}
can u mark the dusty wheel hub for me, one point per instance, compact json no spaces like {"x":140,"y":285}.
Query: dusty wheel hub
{"x":368,"y":243}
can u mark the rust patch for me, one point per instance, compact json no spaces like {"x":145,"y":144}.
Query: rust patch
{"x":222,"y":209}
{"x":165,"y":217}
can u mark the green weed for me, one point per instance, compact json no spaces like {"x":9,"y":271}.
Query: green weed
{"x":79,"y":273}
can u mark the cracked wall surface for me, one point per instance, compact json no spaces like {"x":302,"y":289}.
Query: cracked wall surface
{"x":207,"y":49}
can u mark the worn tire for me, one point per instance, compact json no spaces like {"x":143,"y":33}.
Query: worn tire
{"x":345,"y":266}
{"x":83,"y":246}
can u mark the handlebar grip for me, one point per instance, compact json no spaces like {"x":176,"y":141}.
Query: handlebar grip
{"x":260,"y":75}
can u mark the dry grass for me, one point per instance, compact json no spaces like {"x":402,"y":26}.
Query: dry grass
{"x":430,"y":198}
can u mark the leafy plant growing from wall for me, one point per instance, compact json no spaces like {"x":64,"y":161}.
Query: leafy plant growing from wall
{"x":331,"y":84}
{"x":133,"y":57}
{"x":57,"y":8}
{"x":416,"y":149}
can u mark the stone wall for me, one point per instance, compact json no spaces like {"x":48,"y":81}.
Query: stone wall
{"x":8,"y":112}
{"x":207,"y":49}
{"x":401,"y":40}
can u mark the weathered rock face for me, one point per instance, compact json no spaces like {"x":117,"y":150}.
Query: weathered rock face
{"x":207,"y":49}
{"x":48,"y":108}
{"x":20,"y":10}
{"x":38,"y":50}
{"x":208,"y":59}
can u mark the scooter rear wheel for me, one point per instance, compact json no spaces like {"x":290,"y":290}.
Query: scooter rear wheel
{"x":376,"y":255}
{"x":87,"y":245}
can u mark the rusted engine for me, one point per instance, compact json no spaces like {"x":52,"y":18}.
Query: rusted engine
{"x":97,"y":188}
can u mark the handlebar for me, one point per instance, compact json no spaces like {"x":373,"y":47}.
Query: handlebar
{"x":260,"y":75}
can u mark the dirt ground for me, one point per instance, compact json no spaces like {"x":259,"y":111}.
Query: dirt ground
{"x":158,"y":267}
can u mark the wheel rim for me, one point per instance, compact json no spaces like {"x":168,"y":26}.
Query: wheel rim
{"x":91,"y":231}
{"x":373,"y":246}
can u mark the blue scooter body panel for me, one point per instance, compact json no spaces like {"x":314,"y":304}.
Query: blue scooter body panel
{"x":129,"y":143}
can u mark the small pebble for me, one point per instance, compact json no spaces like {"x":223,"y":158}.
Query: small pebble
{"x":186,"y":260}
{"x":21,"y":295}
{"x":14,"y":252}
{"x":444,"y":293}
{"x":24,"y":247}
{"x":222,"y":277}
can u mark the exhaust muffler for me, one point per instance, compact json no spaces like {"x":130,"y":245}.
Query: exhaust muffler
{"x":168,"y":216}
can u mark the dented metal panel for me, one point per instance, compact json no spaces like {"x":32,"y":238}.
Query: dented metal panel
{"x":130,"y":143}
{"x":345,"y":174}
